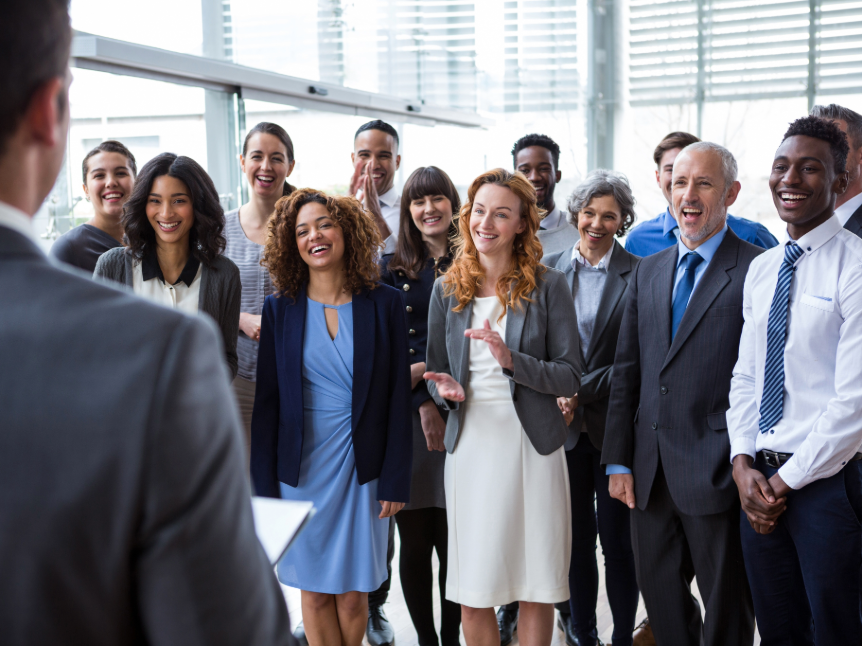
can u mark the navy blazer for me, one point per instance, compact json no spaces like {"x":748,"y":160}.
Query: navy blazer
{"x":381,"y":421}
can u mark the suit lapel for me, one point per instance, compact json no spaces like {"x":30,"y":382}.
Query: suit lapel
{"x":661,"y":288}
{"x":515,"y":323}
{"x":363,"y":351}
{"x":294,"y":333}
{"x":615,"y":287}
{"x":854,"y":224}
{"x":564,"y":264}
{"x":714,"y":280}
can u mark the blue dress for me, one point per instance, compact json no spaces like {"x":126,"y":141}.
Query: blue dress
{"x":344,"y":546}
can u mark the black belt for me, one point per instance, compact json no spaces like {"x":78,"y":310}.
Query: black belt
{"x":777,"y":460}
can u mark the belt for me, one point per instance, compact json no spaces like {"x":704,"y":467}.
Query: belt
{"x":777,"y":460}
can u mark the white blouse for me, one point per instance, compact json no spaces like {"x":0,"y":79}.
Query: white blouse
{"x":179,"y":296}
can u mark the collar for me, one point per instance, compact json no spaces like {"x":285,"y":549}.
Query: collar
{"x":604,"y":263}
{"x":18,"y":221}
{"x":847,"y":209}
{"x":390,"y":198}
{"x":150,"y":269}
{"x":706,"y":250}
{"x":668,"y":223}
{"x":818,"y":237}
{"x":553,"y":220}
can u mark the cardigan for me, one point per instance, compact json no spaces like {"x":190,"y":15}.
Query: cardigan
{"x":220,"y":292}
{"x":381,"y":424}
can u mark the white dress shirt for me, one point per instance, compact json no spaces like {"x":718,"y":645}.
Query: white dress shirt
{"x":822,"y":418}
{"x":179,"y":296}
{"x":578,"y":258}
{"x":390,"y":208}
{"x":16,"y":220}
{"x":847,"y":209}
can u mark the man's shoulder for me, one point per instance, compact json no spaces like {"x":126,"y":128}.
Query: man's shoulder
{"x":751,"y":231}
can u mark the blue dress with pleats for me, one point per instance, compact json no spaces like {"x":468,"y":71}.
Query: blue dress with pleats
{"x":344,"y":546}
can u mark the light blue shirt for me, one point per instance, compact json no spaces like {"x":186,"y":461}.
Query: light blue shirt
{"x":707,"y":252}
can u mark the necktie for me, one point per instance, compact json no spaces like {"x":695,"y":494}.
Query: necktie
{"x":772,"y":400}
{"x":683,"y":291}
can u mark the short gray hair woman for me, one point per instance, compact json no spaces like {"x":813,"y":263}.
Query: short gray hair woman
{"x":604,"y":182}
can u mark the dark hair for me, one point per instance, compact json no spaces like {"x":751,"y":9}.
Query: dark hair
{"x":382,"y":126}
{"x":268,"y":128}
{"x":597,"y":184}
{"x":826,"y":130}
{"x":411,"y":253}
{"x":35,"y":38}
{"x":109,"y":146}
{"x":853,"y":119}
{"x":207,"y":235}
{"x":673,"y":140}
{"x":537,"y":140}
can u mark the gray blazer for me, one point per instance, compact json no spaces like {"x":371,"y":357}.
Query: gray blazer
{"x":220,"y":293}
{"x":598,"y":367}
{"x":543,"y":339}
{"x":125,"y":516}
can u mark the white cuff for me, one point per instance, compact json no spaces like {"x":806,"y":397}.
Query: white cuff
{"x":743,"y":446}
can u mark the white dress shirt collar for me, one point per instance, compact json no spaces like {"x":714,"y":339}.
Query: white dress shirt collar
{"x":819,"y":236}
{"x":390,"y":198}
{"x":847,"y":209}
{"x":604,"y":263}
{"x":17,"y":221}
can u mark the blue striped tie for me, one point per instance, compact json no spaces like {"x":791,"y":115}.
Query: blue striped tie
{"x":772,"y":401}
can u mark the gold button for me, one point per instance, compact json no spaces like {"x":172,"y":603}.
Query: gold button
{"x":400,"y":273}
{"x":412,"y":351}
{"x":412,"y":331}
{"x":409,"y":309}
{"x":406,"y":287}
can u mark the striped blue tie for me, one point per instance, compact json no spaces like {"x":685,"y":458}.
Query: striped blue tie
{"x":772,"y":401}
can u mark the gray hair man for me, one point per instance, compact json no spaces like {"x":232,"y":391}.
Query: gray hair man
{"x":848,"y":206}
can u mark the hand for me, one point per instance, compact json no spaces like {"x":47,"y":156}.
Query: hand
{"x":759,"y":501}
{"x":356,"y":180}
{"x":366,"y":192}
{"x":416,"y":372}
{"x":498,"y":347}
{"x":390,"y":508}
{"x":622,"y":487}
{"x":568,"y":407}
{"x":250,"y":325}
{"x":433,"y":425}
{"x":447,"y":387}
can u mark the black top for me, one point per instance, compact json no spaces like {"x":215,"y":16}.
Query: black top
{"x":150,"y":269}
{"x":82,"y":246}
{"x":416,"y":295}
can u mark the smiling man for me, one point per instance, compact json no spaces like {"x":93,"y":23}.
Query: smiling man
{"x":796,"y":398}
{"x":666,"y":442}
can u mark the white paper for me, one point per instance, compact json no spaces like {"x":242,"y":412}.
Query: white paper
{"x":278,"y":522}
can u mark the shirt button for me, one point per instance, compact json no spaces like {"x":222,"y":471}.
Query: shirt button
{"x":412,"y":332}
{"x":409,"y":309}
{"x":663,"y":390}
{"x":654,"y":426}
{"x":772,"y":432}
{"x":412,"y":351}
{"x":406,"y":287}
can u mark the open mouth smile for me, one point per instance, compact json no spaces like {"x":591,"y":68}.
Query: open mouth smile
{"x":168,"y":227}
{"x":320,"y":249}
{"x":791,"y":199}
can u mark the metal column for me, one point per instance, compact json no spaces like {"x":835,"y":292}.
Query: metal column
{"x":601,"y":83}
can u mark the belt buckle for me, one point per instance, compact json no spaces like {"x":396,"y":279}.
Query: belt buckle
{"x":772,"y":459}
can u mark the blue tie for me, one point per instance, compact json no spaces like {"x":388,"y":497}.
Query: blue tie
{"x":683,"y":291}
{"x":772,"y":400}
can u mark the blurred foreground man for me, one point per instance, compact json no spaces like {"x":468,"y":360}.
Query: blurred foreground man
{"x":124,"y":513}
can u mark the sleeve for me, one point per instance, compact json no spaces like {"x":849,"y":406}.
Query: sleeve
{"x":264,"y":419}
{"x":743,"y":416}
{"x":232,"y":294}
{"x":595,"y":385}
{"x":616,"y":469}
{"x":560,"y":375}
{"x":437,"y":355}
{"x":624,"y":399}
{"x":196,"y":511}
{"x":111,"y":267}
{"x":837,"y":434}
{"x":763,"y":238}
{"x":394,"y":482}
{"x":62,"y":250}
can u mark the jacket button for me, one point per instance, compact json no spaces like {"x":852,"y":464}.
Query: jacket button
{"x":412,"y":331}
{"x":654,"y":426}
{"x":412,"y":351}
{"x":400,"y":273}
{"x":409,"y":309}
{"x":406,"y":287}
{"x":663,"y":390}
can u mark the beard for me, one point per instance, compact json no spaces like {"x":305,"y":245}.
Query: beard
{"x":714,"y":221}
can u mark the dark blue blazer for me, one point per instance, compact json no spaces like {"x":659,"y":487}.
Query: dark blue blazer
{"x":381,"y":420}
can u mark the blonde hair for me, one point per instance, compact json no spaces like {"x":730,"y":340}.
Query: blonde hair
{"x":466,"y":275}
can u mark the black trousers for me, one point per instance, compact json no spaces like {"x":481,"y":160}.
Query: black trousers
{"x":670,"y":548}
{"x":422,"y":531}
{"x":381,"y":594}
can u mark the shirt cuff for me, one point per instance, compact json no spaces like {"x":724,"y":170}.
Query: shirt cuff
{"x":616,"y":469}
{"x":743,"y":446}
{"x":792,"y":475}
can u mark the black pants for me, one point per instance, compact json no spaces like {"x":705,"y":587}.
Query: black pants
{"x":422,"y":531}
{"x":379,"y":596}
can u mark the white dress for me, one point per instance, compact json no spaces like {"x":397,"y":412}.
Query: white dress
{"x":510,"y":528}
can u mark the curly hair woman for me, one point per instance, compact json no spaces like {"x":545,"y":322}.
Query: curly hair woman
{"x":502,"y":346}
{"x":174,"y":225}
{"x":331,"y":421}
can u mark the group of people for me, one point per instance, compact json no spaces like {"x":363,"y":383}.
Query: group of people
{"x":501,"y":380}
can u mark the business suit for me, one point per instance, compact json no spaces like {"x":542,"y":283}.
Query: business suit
{"x":666,"y":422}
{"x":122,"y":472}
{"x":594,"y":512}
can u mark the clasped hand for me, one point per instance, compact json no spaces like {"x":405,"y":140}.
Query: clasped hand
{"x":762,"y":500}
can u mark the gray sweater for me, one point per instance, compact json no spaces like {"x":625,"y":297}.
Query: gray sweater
{"x":219,"y":293}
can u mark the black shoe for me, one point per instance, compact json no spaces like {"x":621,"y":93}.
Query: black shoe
{"x":379,"y":630}
{"x":507,"y":620}
{"x":299,"y":634}
{"x":564,"y":623}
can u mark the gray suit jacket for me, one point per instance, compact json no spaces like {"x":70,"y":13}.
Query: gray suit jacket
{"x":125,"y":515}
{"x":598,"y":368}
{"x":219,"y":297}
{"x":543,"y":339}
{"x":670,"y":399}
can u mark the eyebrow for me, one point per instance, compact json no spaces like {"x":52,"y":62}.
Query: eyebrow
{"x":498,"y":208}
{"x":96,"y":170}
{"x":152,"y":194}
{"x":277,"y":152}
{"x":787,"y":159}
{"x":322,"y":217}
{"x":365,"y":150}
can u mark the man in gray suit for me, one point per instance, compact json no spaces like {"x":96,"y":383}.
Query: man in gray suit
{"x":666,"y":441}
{"x":124,"y":515}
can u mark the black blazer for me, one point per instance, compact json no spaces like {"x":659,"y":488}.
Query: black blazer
{"x":598,"y":368}
{"x":671,"y":398}
{"x":416,"y":295}
{"x":854,"y":224}
{"x":381,"y":421}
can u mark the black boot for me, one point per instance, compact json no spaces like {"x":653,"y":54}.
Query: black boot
{"x":507,"y":620}
{"x":379,"y":630}
{"x":564,"y":623}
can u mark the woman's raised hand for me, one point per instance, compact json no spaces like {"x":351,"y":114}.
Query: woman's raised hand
{"x":447,"y":387}
{"x":498,"y":347}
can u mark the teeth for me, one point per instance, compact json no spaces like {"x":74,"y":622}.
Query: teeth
{"x":319,"y":248}
{"x":265,"y":179}
{"x":169,"y":225}
{"x":112,"y":196}
{"x":691,"y":211}
{"x":792,"y":197}
{"x":431,"y":220}
{"x":486,"y":236}
{"x":596,"y":235}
